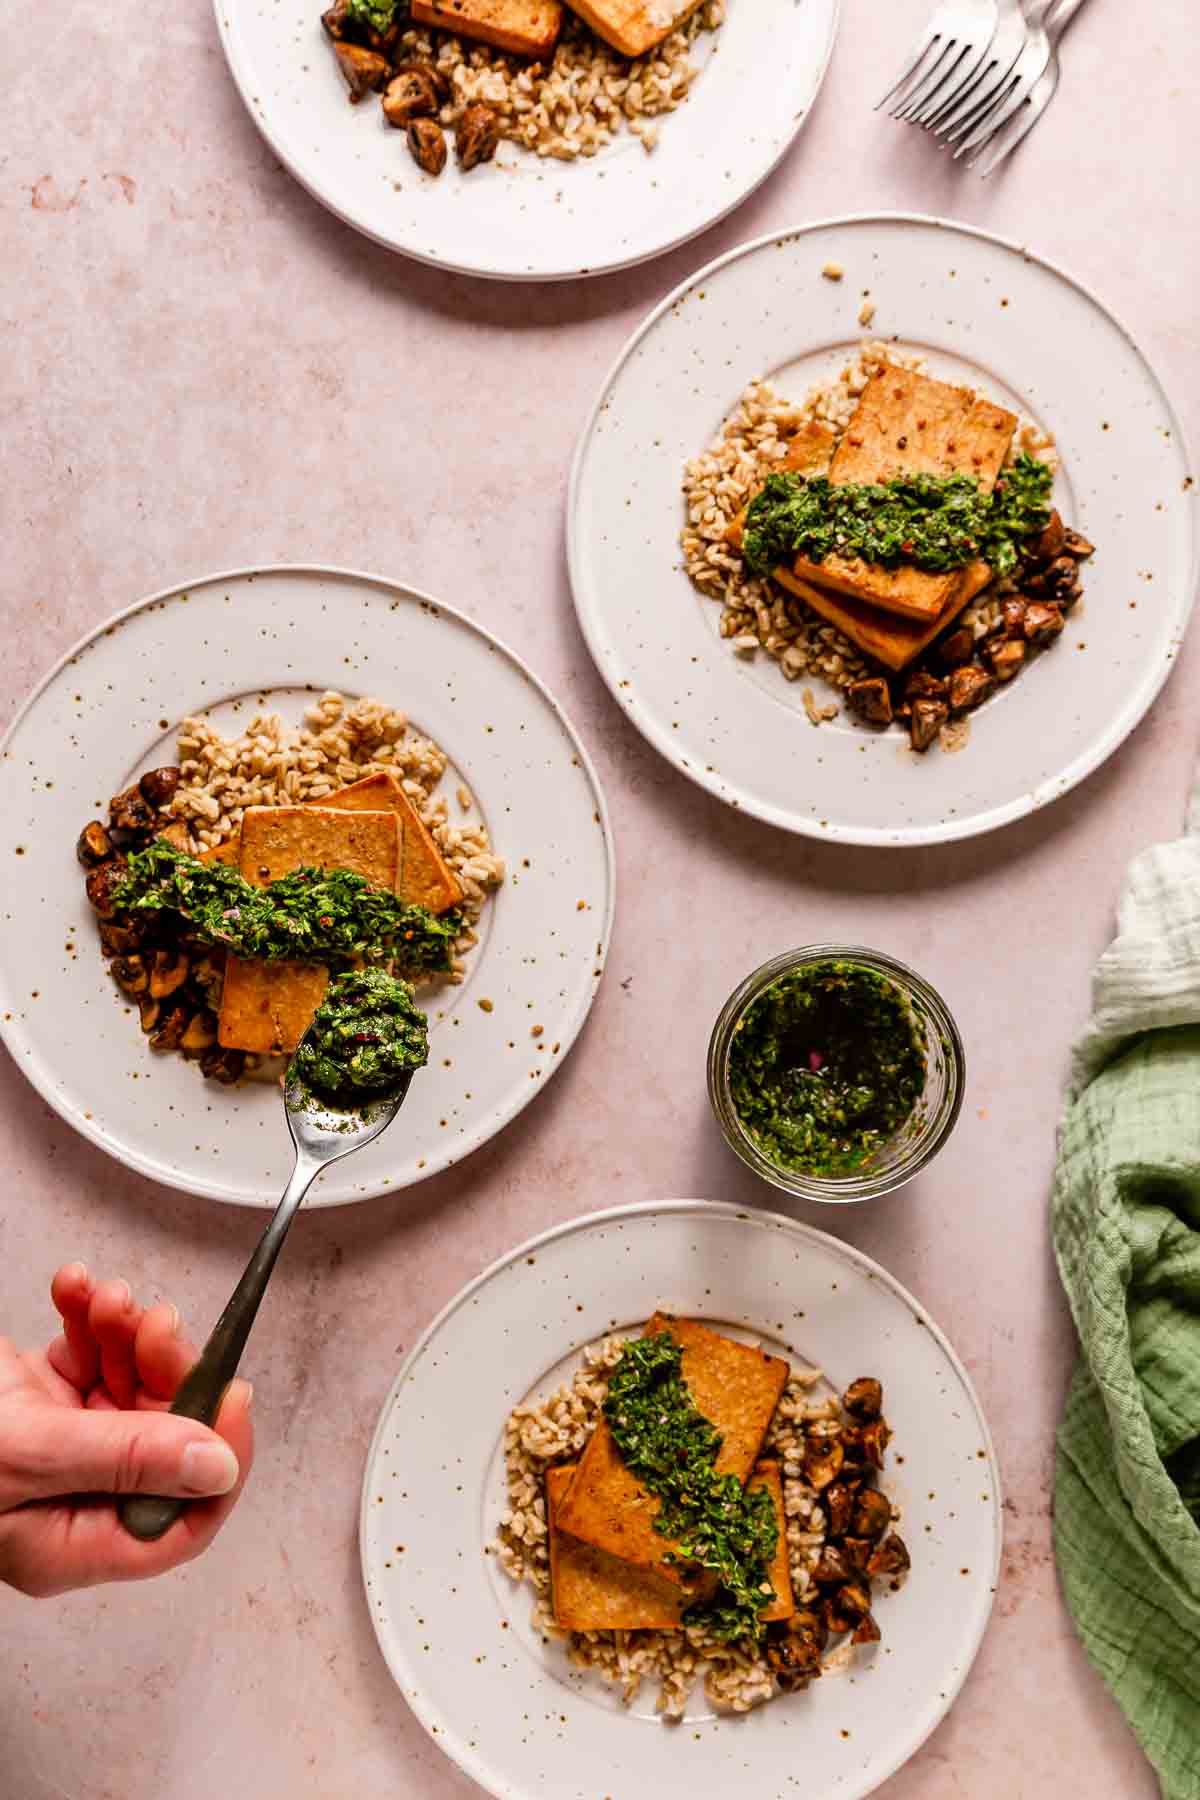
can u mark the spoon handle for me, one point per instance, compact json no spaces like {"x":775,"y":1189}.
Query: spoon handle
{"x":148,"y":1516}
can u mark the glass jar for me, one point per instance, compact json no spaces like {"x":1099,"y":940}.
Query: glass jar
{"x":923,"y":1133}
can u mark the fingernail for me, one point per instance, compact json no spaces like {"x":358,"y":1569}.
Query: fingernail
{"x":209,"y":1468}
{"x":126,"y":1295}
{"x":176,"y":1320}
{"x":248,"y":1397}
{"x":78,"y":1270}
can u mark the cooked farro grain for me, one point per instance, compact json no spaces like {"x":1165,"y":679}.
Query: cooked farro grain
{"x":736,"y":1677}
{"x":718,"y":484}
{"x":587,"y":96}
{"x":341,"y":741}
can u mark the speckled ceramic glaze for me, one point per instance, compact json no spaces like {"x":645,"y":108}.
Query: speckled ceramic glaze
{"x":231,"y":645}
{"x":456,"y":1631}
{"x":525,"y":217}
{"x":982,"y":312}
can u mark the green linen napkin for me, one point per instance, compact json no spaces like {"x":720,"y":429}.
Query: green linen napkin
{"x":1126,"y":1221}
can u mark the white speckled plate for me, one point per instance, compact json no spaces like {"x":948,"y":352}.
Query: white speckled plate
{"x":455,"y":1630}
{"x":526,"y":218}
{"x":228,"y":645}
{"x":980,"y":311}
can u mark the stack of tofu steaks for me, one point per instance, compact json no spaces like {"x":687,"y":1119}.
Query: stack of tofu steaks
{"x":371,"y":829}
{"x":532,"y":27}
{"x":905,"y":424}
{"x":608,"y":1565}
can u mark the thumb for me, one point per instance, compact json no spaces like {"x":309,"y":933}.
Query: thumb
{"x":90,"y":1452}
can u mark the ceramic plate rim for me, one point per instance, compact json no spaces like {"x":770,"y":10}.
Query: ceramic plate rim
{"x":91,"y":1128}
{"x":407,"y":1677}
{"x":567,"y":273}
{"x":897,"y":837}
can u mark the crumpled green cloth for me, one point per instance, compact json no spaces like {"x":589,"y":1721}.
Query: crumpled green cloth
{"x":1126,"y":1222}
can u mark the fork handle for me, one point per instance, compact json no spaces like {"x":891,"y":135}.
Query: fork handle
{"x":148,"y":1516}
{"x":1060,"y":17}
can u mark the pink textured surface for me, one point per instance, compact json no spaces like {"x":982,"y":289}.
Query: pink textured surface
{"x":203,"y":369}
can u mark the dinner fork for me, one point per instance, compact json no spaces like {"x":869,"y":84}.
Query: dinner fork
{"x":1004,"y":138}
{"x":950,"y":118}
{"x":1017,"y":86}
{"x":948,"y":52}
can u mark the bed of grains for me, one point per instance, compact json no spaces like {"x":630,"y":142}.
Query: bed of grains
{"x":587,"y":95}
{"x":271,"y":764}
{"x":755,"y":614}
{"x":736,"y":1677}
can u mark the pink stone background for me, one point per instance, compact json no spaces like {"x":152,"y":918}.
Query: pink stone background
{"x":202,"y":369}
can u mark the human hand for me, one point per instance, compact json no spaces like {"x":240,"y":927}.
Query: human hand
{"x":88,"y":1418}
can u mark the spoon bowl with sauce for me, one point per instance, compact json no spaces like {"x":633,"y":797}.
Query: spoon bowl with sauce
{"x":835,"y":1072}
{"x":347,"y":1080}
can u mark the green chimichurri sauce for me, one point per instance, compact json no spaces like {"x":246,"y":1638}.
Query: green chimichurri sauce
{"x":825,"y":1067}
{"x":329,"y":916}
{"x":380,"y":15}
{"x":935,"y":522}
{"x":366,"y":1035}
{"x":671,"y":1447}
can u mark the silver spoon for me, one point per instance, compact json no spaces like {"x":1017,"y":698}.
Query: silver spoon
{"x":322,"y":1135}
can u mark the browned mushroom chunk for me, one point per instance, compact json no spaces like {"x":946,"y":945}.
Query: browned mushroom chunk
{"x":118,"y":940}
{"x":890,"y":1557}
{"x":129,"y":812}
{"x":866,"y":1632}
{"x":823,"y":1458}
{"x":476,"y":136}
{"x":843,"y":1610}
{"x":1012,"y":614}
{"x":94,"y":845}
{"x":148,"y":1012}
{"x":100,"y":884}
{"x":1043,"y":622}
{"x":409,"y":96}
{"x":969,"y":687}
{"x":832,"y":1567}
{"x":839,"y":1504}
{"x":176,"y":835}
{"x":200,"y":1034}
{"x":875,"y":1436}
{"x":857,"y":1553}
{"x":431,"y":72}
{"x":928,"y":717}
{"x":131,"y":975}
{"x":872,"y":1514}
{"x":1076,"y":545}
{"x":224,"y":1066}
{"x":1049,"y":542}
{"x":158,"y":786}
{"x":863,"y":1399}
{"x":336,"y":18}
{"x":794,"y":1649}
{"x":956,"y":648}
{"x":1005,"y":657}
{"x":364,"y":70}
{"x":871,"y":699}
{"x":171,"y":1027}
{"x":168,"y":973}
{"x":427,"y":144}
{"x":1062,"y":581}
{"x":923,"y":684}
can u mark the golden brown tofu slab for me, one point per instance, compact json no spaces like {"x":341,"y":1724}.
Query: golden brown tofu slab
{"x":426,"y":879}
{"x":524,"y":27}
{"x":592,"y":1591}
{"x":733,"y":1385}
{"x":887,"y":637}
{"x":906,"y":424}
{"x":266,"y":1007}
{"x":634,"y":26}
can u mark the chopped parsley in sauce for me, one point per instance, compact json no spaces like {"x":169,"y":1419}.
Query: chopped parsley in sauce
{"x":367,"y":1034}
{"x":330,"y":916}
{"x":825,"y":1067}
{"x":380,"y":15}
{"x":671,"y":1447}
{"x":935,"y":522}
